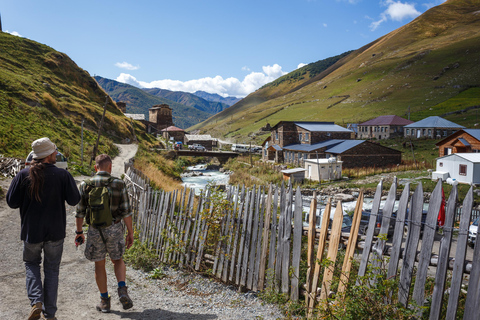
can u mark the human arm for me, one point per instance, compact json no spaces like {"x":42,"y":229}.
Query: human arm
{"x":72,"y":194}
{"x":16,"y":192}
{"x":129,"y":236}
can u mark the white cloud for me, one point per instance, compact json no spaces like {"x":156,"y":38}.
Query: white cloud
{"x":224,"y":87}
{"x":325,"y":25}
{"x":245,"y":68}
{"x":14,"y":33}
{"x":126,"y":65}
{"x":301,"y":65}
{"x":396,"y":11}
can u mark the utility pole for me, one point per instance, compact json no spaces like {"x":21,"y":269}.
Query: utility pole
{"x":1,"y":30}
{"x":99,"y":131}
{"x":81,"y":145}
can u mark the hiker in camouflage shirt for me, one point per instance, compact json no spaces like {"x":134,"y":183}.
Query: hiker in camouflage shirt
{"x":101,"y":241}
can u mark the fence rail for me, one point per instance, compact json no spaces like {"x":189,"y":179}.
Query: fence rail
{"x":255,"y":240}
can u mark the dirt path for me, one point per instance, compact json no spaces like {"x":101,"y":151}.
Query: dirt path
{"x":177,"y":296}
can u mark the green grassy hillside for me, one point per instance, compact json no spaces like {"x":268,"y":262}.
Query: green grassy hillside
{"x":44,"y":93}
{"x":139,"y":101}
{"x":430,"y":66}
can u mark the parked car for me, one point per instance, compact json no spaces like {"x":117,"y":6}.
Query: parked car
{"x":472,"y":232}
{"x":365,"y":219}
{"x":62,"y":161}
{"x":196,"y":147}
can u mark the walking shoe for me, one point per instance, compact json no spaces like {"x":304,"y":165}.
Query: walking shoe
{"x":124,"y":298}
{"x":104,"y":305}
{"x":36,"y":311}
{"x":45,"y":318}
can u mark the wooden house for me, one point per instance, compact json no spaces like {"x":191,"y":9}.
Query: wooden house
{"x":462,"y":141}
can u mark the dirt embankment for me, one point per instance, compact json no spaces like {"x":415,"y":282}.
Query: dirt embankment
{"x":177,"y":296}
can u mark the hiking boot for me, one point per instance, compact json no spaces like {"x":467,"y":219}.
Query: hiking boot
{"x":36,"y":311}
{"x":44,"y":318}
{"x":104,"y":305}
{"x":124,"y":298}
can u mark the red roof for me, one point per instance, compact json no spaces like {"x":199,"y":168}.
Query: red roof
{"x":387,"y":120}
{"x":172,"y":128}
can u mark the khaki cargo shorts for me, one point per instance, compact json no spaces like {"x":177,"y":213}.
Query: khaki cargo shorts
{"x":96,"y":250}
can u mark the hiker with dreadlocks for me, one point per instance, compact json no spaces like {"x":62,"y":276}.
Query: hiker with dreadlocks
{"x":40,"y":192}
{"x":104,"y":204}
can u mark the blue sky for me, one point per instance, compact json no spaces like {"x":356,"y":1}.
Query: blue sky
{"x":219,"y":46}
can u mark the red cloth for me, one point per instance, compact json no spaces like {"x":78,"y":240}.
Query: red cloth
{"x":441,"y":213}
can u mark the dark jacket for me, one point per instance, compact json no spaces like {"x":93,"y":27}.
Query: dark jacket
{"x":45,"y":220}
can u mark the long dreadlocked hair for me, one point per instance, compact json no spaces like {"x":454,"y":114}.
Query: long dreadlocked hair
{"x":36,"y":177}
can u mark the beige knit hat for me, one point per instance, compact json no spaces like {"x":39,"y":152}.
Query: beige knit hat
{"x":42,"y":148}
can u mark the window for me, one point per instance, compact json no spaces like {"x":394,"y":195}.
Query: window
{"x":413,"y":132}
{"x":382,"y":129}
{"x":444,"y":133}
{"x":440,"y":164}
{"x":300,"y":136}
{"x":306,"y":136}
{"x":276,"y":135}
{"x":463,"y":170}
{"x":408,"y":132}
{"x":429,"y":132}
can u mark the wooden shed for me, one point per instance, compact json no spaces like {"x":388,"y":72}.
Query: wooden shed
{"x":294,"y":175}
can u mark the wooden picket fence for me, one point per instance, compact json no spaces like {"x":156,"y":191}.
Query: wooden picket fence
{"x":257,"y":239}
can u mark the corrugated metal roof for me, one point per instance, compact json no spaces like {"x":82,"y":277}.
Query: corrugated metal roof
{"x":198,"y":137}
{"x":344,"y":146}
{"x":391,"y":120}
{"x":295,"y":170}
{"x":312,"y":147}
{"x":135,"y":116}
{"x":277,"y":147}
{"x":473,"y":132}
{"x":472,"y":157}
{"x":465,"y":142}
{"x":321,"y":126}
{"x":434,"y":122}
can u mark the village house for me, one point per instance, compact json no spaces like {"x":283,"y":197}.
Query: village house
{"x":462,"y":141}
{"x":323,"y":169}
{"x":460,"y":167}
{"x":294,"y":142}
{"x":205,"y":140}
{"x":431,"y":128}
{"x":173,"y":133}
{"x":382,"y":127}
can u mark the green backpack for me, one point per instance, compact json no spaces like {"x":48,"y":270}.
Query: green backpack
{"x":98,"y":214}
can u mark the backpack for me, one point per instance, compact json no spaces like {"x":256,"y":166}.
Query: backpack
{"x":98,"y":212}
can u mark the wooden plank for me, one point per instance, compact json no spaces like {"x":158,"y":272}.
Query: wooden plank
{"x":273,"y":239}
{"x":253,"y":242}
{"x":444,"y":256}
{"x":258,"y":255}
{"x":163,"y":218}
{"x":236,"y":245}
{"x":320,"y":250}
{"x":158,"y":214}
{"x":427,"y":244}
{"x":411,"y":245}
{"x":191,"y":253}
{"x":203,"y":239}
{"x":398,"y":232}
{"x":265,"y":236}
{"x":287,"y":236}
{"x":178,"y":225}
{"x":312,"y":228}
{"x":224,"y":234}
{"x":352,"y":241}
{"x":473,"y":293}
{"x":370,"y":230}
{"x":332,"y":250}
{"x":281,"y":227}
{"x":165,"y":257}
{"x":248,"y":235}
{"x":460,"y":254}
{"x":297,"y":245}
{"x":242,"y":237}
{"x":386,"y":216}
{"x":230,"y":232}
{"x":186,"y":227}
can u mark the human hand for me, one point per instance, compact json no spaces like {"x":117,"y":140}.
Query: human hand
{"x":79,"y":239}
{"x":129,"y":240}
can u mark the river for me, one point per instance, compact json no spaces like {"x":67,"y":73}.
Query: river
{"x":201,"y":177}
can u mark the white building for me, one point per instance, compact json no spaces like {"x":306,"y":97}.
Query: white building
{"x":462,"y":167}
{"x":323,"y":169}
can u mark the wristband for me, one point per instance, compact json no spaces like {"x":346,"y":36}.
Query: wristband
{"x":78,"y":232}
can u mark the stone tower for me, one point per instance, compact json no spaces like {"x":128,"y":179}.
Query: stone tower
{"x":161,"y":115}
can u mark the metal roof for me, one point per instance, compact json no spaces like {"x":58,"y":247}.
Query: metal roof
{"x":471,"y":157}
{"x":172,"y":128}
{"x":391,"y":120}
{"x":312,"y":147}
{"x":465,"y":142}
{"x":198,"y":137}
{"x":135,"y":116}
{"x":276,"y":147}
{"x":434,"y":122}
{"x":321,"y":126}
{"x":473,"y":132}
{"x":295,"y":170}
{"x":344,"y":146}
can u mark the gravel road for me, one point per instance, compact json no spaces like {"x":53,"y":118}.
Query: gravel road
{"x":179,"y":296}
